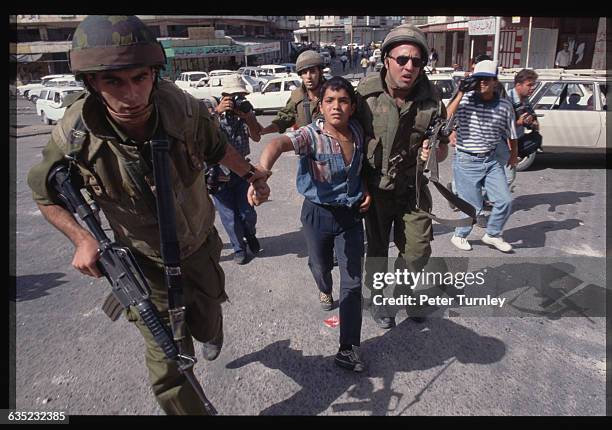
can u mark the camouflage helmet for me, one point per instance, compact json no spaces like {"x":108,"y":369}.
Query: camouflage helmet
{"x":308,"y":59}
{"x":405,"y":33}
{"x":111,"y":42}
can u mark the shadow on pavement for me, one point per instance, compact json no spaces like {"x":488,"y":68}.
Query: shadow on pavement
{"x":406,"y":348}
{"x":30,"y":287}
{"x":530,"y":201}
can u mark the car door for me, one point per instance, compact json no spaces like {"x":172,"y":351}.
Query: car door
{"x":271,"y":96}
{"x":54,"y":109}
{"x":562,"y":123}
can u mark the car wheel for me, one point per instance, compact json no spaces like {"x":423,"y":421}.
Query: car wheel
{"x":46,"y":120}
{"x":25,"y":94}
{"x":525,"y":162}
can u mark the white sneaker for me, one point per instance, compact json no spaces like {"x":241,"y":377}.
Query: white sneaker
{"x":497,"y":242}
{"x":461,"y":243}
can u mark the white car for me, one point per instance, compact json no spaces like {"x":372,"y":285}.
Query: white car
{"x":214,"y":87}
{"x":256,"y":74}
{"x":190,"y":79}
{"x":276,"y":71}
{"x":50,"y":106}
{"x":445,"y":84}
{"x":66,"y":81}
{"x":23,"y":90}
{"x":274,"y":95}
{"x":221,"y":72}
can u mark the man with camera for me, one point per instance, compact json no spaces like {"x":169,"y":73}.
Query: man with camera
{"x":525,"y":83}
{"x":229,"y":191}
{"x":485,"y":120}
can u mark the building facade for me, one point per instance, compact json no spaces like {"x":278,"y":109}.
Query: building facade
{"x":342,"y":30}
{"x":42,"y":42}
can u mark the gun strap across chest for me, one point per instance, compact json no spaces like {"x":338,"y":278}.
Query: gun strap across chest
{"x":307,"y":113}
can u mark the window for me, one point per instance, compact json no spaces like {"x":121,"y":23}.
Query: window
{"x":603,"y":91}
{"x":445,"y":87}
{"x":564,"y":96}
{"x":273,"y":87}
{"x":43,"y":94}
{"x":548,"y":96}
{"x":56,"y":98}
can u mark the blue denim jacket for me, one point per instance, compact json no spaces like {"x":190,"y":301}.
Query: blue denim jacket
{"x":322,"y":176}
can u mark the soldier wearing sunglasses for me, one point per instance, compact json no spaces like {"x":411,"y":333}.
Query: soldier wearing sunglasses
{"x":395,"y":109}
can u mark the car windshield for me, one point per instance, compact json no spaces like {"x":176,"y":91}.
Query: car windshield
{"x":197,"y":76}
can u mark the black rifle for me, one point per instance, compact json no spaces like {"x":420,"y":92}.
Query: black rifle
{"x":441,"y":127}
{"x":128,"y":283}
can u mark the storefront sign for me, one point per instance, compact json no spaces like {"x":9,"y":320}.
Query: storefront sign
{"x":481,"y":27}
{"x":205,"y":51}
{"x":261,"y":48}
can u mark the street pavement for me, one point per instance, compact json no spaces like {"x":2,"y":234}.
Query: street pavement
{"x":278,"y":352}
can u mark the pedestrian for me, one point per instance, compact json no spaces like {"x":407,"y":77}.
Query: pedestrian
{"x":330,"y":154}
{"x":303,"y":104}
{"x":107,"y":134}
{"x":484,"y":121}
{"x":433,"y":59}
{"x":564,"y":57}
{"x":364,"y":65}
{"x":396,"y":108}
{"x":230,"y":196}
{"x":343,"y":60}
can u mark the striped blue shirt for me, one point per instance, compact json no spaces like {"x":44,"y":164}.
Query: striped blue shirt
{"x":322,"y":175}
{"x":482,"y":125}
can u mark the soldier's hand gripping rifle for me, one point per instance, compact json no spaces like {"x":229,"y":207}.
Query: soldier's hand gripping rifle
{"x":441,"y":127}
{"x":128,"y":283}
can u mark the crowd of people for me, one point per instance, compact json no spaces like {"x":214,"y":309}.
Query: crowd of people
{"x":344,"y":138}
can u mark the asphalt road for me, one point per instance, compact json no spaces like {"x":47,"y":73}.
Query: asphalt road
{"x":278,"y":353}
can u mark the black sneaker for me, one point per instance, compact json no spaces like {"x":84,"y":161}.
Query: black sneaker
{"x":349,"y":359}
{"x":253,"y":244}
{"x":240,"y":257}
{"x":212,"y":348}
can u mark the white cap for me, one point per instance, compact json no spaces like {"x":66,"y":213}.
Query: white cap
{"x":233,"y":84}
{"x":486,"y":68}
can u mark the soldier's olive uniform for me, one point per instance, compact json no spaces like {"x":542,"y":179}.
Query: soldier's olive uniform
{"x":294,"y":113}
{"x":108,"y":162}
{"x":391,"y":129}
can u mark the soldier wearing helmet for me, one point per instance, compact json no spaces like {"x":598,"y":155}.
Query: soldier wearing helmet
{"x":303,"y":105}
{"x":106,"y":131}
{"x":396,"y":106}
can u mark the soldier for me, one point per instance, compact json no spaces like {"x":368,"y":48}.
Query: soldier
{"x":107,"y":132}
{"x":303,"y":104}
{"x":395,"y":109}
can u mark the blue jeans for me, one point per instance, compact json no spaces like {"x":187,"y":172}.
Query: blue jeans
{"x":502,"y":153}
{"x":237,"y":216}
{"x":339,"y":228}
{"x":471,"y":174}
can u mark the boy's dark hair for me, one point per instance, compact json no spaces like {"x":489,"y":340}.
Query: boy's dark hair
{"x":339,"y":83}
{"x":482,"y":57}
{"x":525,"y":75}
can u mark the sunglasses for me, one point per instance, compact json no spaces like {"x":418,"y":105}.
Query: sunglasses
{"x":402,"y":60}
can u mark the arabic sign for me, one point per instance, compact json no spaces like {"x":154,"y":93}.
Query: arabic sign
{"x":262,"y":48}
{"x":481,"y":27}
{"x":204,"y":51}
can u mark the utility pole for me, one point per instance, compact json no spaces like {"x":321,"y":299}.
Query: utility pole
{"x":497,"y":34}
{"x":529,"y":42}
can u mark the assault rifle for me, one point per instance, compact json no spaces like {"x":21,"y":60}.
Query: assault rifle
{"x":129,"y":286}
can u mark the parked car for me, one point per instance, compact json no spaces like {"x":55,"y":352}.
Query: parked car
{"x":221,"y":72}
{"x":50,"y":106}
{"x":64,"y":81}
{"x":445,"y":84}
{"x":275,"y":70}
{"x":290,"y":67}
{"x":214,"y":87}
{"x":38,"y":84}
{"x":274,"y":95}
{"x":190,"y":79}
{"x":256,"y":74}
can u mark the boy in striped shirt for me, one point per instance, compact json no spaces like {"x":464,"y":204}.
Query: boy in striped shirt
{"x":485,"y":120}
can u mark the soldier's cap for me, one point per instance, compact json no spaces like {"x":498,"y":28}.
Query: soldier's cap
{"x":405,"y":33}
{"x":485,"y":69}
{"x":308,"y":59}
